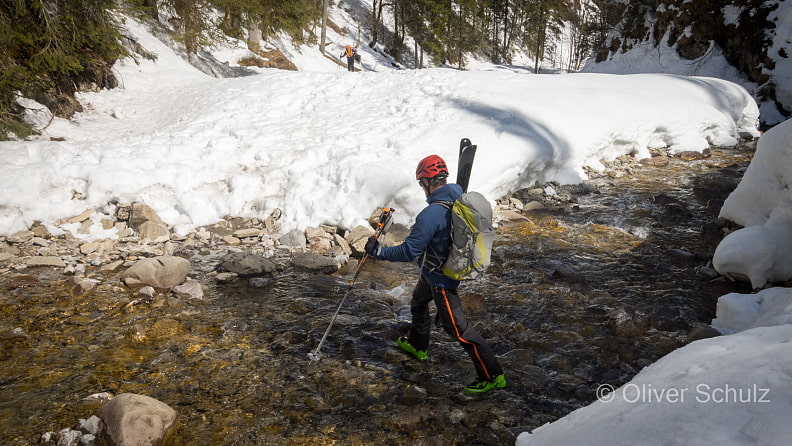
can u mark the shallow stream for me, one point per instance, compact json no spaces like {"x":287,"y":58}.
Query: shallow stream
{"x":602,"y":281}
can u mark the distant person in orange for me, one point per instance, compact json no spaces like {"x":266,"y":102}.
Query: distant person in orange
{"x":349,"y":53}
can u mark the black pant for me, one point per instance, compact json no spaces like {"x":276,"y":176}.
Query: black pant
{"x":449,"y":311}
{"x":351,"y":63}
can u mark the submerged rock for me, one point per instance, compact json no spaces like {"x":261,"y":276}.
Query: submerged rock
{"x":247,"y":264}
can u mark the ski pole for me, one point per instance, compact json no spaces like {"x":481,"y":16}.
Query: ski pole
{"x":382,"y":227}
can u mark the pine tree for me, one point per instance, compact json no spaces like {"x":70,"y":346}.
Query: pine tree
{"x":48,"y":49}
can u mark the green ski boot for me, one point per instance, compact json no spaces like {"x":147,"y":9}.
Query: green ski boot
{"x":485,"y":385}
{"x":407,"y":347}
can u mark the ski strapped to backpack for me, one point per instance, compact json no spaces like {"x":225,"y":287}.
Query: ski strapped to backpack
{"x":471,"y":226}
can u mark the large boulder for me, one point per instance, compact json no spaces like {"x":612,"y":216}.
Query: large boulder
{"x":137,"y":420}
{"x":159,"y":272}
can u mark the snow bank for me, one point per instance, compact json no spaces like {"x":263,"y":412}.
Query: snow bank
{"x":331,"y":146}
{"x":697,"y":395}
{"x":762,"y":203}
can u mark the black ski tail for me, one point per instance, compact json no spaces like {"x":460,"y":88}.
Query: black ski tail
{"x":467,"y":152}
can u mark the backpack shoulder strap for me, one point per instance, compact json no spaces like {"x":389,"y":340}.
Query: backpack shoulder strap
{"x":446,"y":204}
{"x":431,"y":260}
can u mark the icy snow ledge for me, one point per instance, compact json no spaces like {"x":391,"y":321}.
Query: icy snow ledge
{"x":759,"y":253}
{"x":738,"y":312}
{"x":700,"y":394}
{"x":766,"y":181}
{"x":763,"y":204}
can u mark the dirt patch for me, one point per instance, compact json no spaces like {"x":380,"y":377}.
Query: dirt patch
{"x":268,"y":59}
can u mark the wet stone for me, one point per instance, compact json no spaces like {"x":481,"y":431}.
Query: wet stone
{"x":21,"y":280}
{"x":315,"y":263}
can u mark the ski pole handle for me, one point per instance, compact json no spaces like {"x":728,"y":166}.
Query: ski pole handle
{"x":385,"y":221}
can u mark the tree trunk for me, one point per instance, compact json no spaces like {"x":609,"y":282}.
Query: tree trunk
{"x":324,"y":27}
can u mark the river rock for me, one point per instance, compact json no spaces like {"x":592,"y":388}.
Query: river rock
{"x":93,"y":425}
{"x":137,"y":334}
{"x":319,"y":240}
{"x":701,"y":332}
{"x":247,"y":232}
{"x":230,"y":240}
{"x":147,"y":292}
{"x":39,"y":241}
{"x":533,"y":206}
{"x":137,"y":214}
{"x":111,"y":267}
{"x":690,"y":155}
{"x":567,"y":273}
{"x":315,"y":263}
{"x":247,"y":264}
{"x":226,"y":277}
{"x":154,"y":231}
{"x":42,"y":231}
{"x":69,"y":437}
{"x":80,"y":286}
{"x":511,"y":216}
{"x":21,"y":280}
{"x":342,"y":244}
{"x":20,"y":237}
{"x":678,"y":209}
{"x":45,"y":261}
{"x":655,"y":161}
{"x":90,"y":247}
{"x":138,"y":420}
{"x":15,"y":333}
{"x":159,"y":272}
{"x":627,"y":322}
{"x":190,"y":289}
{"x":260,"y":282}
{"x":294,"y":238}
{"x":357,"y":238}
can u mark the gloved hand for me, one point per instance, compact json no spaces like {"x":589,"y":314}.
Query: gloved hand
{"x":372,"y":246}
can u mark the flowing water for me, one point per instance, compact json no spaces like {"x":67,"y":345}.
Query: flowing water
{"x":586,"y":291}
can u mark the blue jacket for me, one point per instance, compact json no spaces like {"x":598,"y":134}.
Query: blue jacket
{"x":432,"y":232}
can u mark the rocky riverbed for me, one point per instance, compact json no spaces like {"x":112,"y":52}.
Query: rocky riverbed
{"x":589,"y":283}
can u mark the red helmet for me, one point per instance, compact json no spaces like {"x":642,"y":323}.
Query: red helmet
{"x":430,"y":167}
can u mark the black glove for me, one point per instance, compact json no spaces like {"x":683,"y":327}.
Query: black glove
{"x":372,"y":246}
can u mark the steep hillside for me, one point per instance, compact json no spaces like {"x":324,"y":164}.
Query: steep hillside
{"x":746,"y":41}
